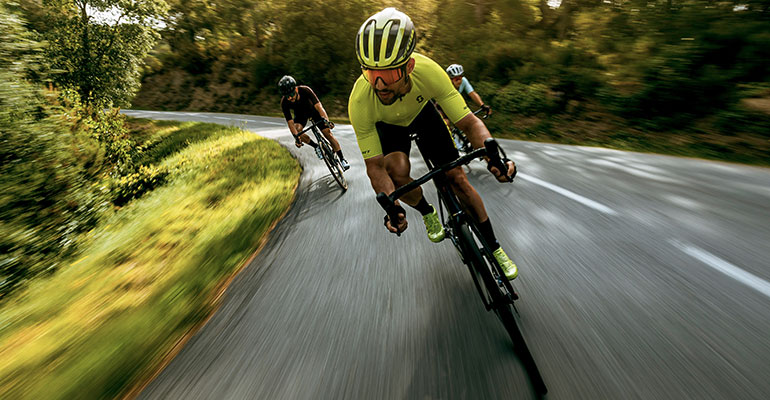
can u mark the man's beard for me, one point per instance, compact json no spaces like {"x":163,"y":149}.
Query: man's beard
{"x":389,"y":101}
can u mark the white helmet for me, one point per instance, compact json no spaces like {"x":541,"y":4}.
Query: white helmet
{"x":455,"y":70}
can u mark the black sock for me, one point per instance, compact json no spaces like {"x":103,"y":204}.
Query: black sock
{"x":489,"y":234}
{"x":312,"y":143}
{"x":339,"y":154}
{"x":423,"y":207}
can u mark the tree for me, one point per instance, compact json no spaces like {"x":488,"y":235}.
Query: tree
{"x":98,"y":46}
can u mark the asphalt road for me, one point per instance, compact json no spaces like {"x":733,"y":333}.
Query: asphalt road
{"x":641,"y":276}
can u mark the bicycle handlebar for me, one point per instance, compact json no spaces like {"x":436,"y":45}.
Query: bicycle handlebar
{"x":476,"y":113}
{"x":491,"y":149}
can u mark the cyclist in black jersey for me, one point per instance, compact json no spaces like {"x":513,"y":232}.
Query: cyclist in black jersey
{"x":392,"y":99}
{"x":303,"y":101}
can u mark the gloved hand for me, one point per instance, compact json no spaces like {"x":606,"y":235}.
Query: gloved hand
{"x":401,"y":223}
{"x":504,"y":170}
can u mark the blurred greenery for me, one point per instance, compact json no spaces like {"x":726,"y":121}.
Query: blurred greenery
{"x":682,"y":77}
{"x":65,"y":154}
{"x":659,"y":70}
{"x":111,"y":315}
{"x":47,"y":166}
{"x":99,"y":59}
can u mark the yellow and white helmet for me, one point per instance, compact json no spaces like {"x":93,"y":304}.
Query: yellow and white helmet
{"x":386,"y":40}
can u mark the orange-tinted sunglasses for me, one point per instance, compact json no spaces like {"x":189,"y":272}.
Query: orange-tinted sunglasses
{"x":388,"y":76}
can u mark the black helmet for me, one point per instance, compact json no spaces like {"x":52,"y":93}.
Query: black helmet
{"x":286,"y":85}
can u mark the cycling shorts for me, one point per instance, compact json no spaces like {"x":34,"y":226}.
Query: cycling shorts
{"x":433,"y":137}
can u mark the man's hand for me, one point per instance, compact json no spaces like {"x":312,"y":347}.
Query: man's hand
{"x":297,"y":143}
{"x":401,"y":223}
{"x":487,"y":110}
{"x":507,"y":165}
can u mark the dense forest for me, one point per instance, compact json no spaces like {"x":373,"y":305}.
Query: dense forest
{"x":684,"y":77}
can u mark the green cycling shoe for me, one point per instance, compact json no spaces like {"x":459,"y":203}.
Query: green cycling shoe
{"x":510,"y":269}
{"x":433,"y":226}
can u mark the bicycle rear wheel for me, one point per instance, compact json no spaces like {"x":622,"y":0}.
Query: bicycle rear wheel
{"x":333,"y":164}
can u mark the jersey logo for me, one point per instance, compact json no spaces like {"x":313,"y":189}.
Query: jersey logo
{"x":420,"y":99}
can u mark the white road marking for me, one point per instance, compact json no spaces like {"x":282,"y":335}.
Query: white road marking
{"x":566,"y":193}
{"x":635,"y":170}
{"x":725,"y":267}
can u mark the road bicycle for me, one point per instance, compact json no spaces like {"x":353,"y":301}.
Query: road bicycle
{"x":331,"y":160}
{"x":496,"y":291}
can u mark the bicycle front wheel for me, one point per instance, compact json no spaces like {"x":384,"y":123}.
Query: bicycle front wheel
{"x":473,"y":258}
{"x":511,"y":324}
{"x":333,"y":164}
{"x":499,"y":297}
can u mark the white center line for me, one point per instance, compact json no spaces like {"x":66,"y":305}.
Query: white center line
{"x":564,"y":192}
{"x":726,"y":268}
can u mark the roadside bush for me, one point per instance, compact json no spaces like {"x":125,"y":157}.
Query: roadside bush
{"x":519,"y":98}
{"x":45,"y":199}
{"x":134,"y":185}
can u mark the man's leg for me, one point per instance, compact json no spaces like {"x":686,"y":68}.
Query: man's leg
{"x":328,"y":135}
{"x":468,"y":195}
{"x":336,"y":147}
{"x":397,"y":164}
{"x":305,"y":138}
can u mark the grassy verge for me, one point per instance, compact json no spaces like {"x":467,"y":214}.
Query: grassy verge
{"x":150,"y":272}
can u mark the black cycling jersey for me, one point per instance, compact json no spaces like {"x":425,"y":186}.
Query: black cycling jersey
{"x":303,"y":108}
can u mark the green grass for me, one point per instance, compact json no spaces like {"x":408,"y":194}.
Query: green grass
{"x":151,"y":272}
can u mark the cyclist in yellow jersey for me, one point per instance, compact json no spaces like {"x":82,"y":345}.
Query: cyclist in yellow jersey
{"x":390,"y":100}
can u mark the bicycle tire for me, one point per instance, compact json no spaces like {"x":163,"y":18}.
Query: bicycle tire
{"x":509,"y":320}
{"x":474,"y":259}
{"x":333,"y":165}
{"x":502,"y":304}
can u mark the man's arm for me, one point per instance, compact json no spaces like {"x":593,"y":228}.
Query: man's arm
{"x":381,"y":182}
{"x":475,"y":129}
{"x":477,"y":132}
{"x":292,"y":128}
{"x":476,"y":98}
{"x":378,"y":175}
{"x":320,"y":108}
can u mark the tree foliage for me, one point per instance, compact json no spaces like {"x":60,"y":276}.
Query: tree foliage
{"x":63,"y":154}
{"x":100,"y":55}
{"x":657,"y":60}
{"x":45,"y":201}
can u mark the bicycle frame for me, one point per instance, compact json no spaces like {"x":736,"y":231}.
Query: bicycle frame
{"x":456,"y":216}
{"x":316,"y":132}
{"x":328,"y":154}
